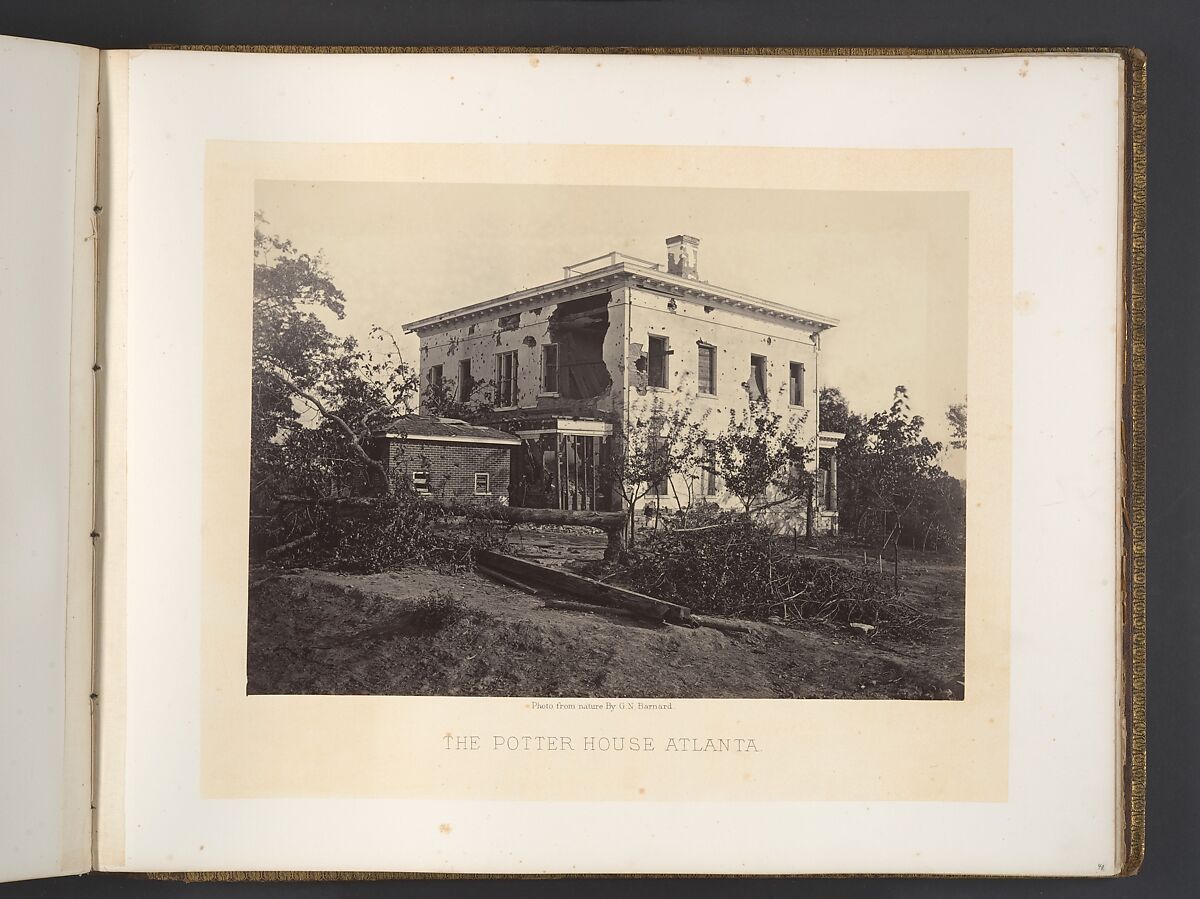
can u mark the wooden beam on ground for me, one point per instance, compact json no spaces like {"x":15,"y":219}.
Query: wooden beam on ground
{"x":590,"y":607}
{"x":503,"y":578}
{"x":602,"y":594}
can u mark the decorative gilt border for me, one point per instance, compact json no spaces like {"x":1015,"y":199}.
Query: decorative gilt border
{"x":1133,"y":396}
{"x":1133,"y":587}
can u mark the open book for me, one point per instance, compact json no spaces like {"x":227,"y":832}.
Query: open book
{"x":559,"y":463}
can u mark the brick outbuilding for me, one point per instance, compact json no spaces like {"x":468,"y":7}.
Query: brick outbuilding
{"x":446,"y":457}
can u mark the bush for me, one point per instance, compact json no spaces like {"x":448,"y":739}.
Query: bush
{"x":365,"y":536}
{"x":436,"y":610}
{"x":738,"y":568}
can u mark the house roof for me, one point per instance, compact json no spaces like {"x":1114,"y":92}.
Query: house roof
{"x":620,"y":268}
{"x":444,"y":430}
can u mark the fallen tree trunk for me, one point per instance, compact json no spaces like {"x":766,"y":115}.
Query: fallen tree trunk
{"x":612,"y":523}
{"x":277,"y":551}
{"x":728,"y":627}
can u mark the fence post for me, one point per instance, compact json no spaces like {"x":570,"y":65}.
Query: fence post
{"x":896,"y":565}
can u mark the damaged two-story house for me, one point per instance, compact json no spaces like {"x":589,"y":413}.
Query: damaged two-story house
{"x":571,"y":360}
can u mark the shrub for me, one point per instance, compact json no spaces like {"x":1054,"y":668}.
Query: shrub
{"x":736,"y":567}
{"x":364,"y":536}
{"x":436,"y":610}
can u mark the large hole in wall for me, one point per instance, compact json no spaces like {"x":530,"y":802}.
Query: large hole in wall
{"x":579,"y":328}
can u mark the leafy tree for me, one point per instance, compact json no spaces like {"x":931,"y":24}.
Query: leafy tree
{"x":956,"y":415}
{"x":885,"y":463}
{"x":938,"y":516}
{"x":445,"y":399}
{"x":316,"y":396}
{"x":760,"y":457}
{"x":836,"y":415}
{"x":656,"y":442}
{"x":835,"y":411}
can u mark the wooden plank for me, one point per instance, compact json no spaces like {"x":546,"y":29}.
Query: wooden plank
{"x":506,"y":580}
{"x":604,"y":594}
{"x":591,"y":607}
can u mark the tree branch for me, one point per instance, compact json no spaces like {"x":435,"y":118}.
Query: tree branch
{"x":316,"y":403}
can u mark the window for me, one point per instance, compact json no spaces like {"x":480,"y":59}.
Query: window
{"x":797,"y":478}
{"x":420,"y":481}
{"x":483,"y":483}
{"x":550,"y":368}
{"x":796,"y":383}
{"x":706,"y":369}
{"x":506,"y":379}
{"x":708,"y":471}
{"x":465,"y":384}
{"x":658,"y":450}
{"x":658,"y":361}
{"x":758,"y":377}
{"x":435,"y":376}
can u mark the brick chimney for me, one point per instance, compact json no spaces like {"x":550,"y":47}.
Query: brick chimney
{"x":683,"y":254}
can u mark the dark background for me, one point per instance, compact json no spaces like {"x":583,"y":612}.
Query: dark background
{"x":1166,"y":31}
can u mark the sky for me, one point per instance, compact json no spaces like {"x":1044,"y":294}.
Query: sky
{"x":891,"y":266}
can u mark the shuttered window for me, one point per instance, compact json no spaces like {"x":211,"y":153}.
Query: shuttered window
{"x":506,"y":379}
{"x":796,"y":384}
{"x":465,"y":384}
{"x":706,"y":369}
{"x":758,"y":377}
{"x":550,"y":368}
{"x":658,"y":361}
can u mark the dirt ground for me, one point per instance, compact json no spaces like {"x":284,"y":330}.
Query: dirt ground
{"x":319,"y":632}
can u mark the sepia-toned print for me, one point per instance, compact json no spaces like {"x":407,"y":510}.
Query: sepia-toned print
{"x":558,"y":441}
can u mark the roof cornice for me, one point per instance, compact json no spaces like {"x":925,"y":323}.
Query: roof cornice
{"x":555,"y":291}
{"x":569,"y":288}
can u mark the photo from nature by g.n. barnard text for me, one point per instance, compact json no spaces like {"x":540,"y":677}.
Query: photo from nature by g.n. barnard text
{"x":607,"y":441}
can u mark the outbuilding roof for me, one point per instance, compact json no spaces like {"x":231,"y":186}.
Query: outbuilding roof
{"x":444,"y":430}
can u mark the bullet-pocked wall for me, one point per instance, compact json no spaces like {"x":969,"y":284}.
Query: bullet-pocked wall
{"x":564,"y":357}
{"x":717,"y":357}
{"x":616,"y":349}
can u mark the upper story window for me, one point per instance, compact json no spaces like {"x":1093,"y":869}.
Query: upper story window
{"x":706,"y":369}
{"x":658,"y":361}
{"x":506,"y":378}
{"x":796,"y":383}
{"x":550,"y":368}
{"x":758,"y":377}
{"x":465,"y":383}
